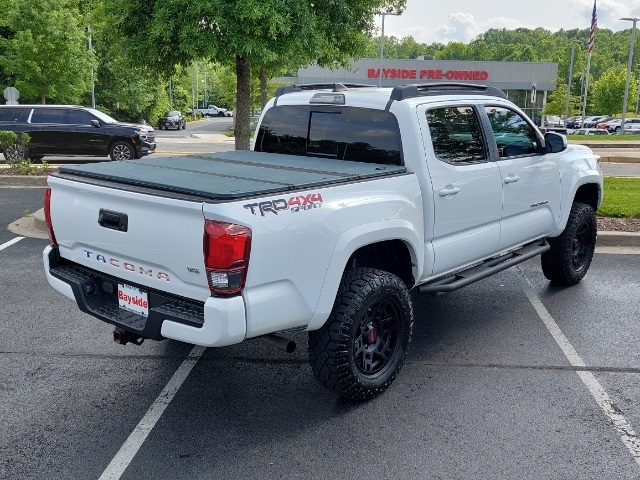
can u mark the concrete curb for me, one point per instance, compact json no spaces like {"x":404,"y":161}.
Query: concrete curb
{"x":616,"y":158}
{"x":34,"y":225}
{"x":23,"y":180}
{"x":618,"y":239}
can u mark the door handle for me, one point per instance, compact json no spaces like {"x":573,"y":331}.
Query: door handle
{"x":113,"y":220}
{"x":511,"y":179}
{"x":445,"y":192}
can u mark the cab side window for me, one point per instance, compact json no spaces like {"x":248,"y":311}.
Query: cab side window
{"x":49,"y":115}
{"x":78,"y":117}
{"x":11,"y":114}
{"x":514,"y":135}
{"x":456,"y":135}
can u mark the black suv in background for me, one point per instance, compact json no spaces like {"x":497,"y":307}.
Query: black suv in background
{"x":172,"y":119}
{"x":75,"y":130}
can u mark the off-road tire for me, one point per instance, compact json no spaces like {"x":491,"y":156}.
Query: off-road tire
{"x":121,"y":151}
{"x":571,"y":253}
{"x":361,"y":348}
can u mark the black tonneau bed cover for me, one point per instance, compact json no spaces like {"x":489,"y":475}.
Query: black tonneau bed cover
{"x":230,"y":175}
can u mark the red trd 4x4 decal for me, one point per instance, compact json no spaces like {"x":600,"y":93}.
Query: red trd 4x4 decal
{"x":294,"y":204}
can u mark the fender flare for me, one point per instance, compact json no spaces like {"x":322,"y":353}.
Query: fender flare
{"x":578,"y":180}
{"x":358,"y":237}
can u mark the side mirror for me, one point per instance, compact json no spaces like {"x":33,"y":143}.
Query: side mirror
{"x":555,"y":142}
{"x":95,"y":123}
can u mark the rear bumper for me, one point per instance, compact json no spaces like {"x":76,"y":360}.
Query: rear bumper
{"x":216,"y":322}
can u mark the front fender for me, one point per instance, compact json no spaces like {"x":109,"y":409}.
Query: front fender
{"x":358,"y":237}
{"x":578,"y":180}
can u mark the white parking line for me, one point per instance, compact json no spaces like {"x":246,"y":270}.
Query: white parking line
{"x":10,"y":242}
{"x":129,"y":449}
{"x":599,"y":394}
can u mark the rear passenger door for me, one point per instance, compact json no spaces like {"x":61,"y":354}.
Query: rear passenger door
{"x":467,"y":187}
{"x":530,"y":179}
{"x":48,"y":131}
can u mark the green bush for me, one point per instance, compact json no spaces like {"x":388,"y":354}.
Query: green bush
{"x":15,"y":147}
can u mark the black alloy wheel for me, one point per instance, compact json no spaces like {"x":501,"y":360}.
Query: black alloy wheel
{"x":376,"y":336}
{"x":122,"y":151}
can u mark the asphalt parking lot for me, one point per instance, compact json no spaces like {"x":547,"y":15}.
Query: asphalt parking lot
{"x":507,"y":378}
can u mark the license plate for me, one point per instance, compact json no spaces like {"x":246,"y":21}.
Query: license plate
{"x":133,"y":300}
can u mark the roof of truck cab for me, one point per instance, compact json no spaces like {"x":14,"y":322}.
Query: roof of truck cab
{"x":381,"y":97}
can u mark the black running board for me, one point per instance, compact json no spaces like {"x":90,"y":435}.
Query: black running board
{"x":485,"y":269}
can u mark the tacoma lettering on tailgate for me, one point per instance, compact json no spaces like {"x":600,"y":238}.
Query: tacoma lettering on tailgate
{"x":130,"y":267}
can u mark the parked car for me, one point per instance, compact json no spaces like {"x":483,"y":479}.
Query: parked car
{"x":574,"y":122}
{"x":610,"y":125}
{"x":591,"y":122}
{"x":76,"y":130}
{"x":553,"y":121}
{"x":172,"y":119}
{"x":590,"y":131}
{"x":213,"y":111}
{"x":614,"y":126}
{"x":632,"y":127}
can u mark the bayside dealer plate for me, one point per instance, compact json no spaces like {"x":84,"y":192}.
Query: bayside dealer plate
{"x":133,"y":300}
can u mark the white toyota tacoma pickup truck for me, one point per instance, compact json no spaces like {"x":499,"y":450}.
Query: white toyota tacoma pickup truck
{"x":352,"y":197}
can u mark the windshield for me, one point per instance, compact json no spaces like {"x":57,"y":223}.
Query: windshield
{"x":172,"y":113}
{"x":102,"y":116}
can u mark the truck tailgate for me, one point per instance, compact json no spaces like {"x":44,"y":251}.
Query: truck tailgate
{"x":143,"y":239}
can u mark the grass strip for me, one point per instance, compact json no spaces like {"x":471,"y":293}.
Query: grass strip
{"x":621,"y":198}
{"x":604,"y":138}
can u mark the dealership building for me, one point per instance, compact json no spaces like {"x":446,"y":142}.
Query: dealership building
{"x":525,"y":83}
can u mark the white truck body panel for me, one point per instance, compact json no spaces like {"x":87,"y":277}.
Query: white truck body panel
{"x":291,"y":250}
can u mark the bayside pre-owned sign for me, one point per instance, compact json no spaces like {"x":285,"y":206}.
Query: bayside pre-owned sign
{"x":405,"y":73}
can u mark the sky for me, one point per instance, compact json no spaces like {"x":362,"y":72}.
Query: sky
{"x":430,"y":21}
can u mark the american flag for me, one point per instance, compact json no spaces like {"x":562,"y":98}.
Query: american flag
{"x":594,"y":24}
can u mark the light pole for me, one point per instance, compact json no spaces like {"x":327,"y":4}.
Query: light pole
{"x":93,"y":85}
{"x":626,"y":87}
{"x":566,"y":107}
{"x":382,"y":48}
{"x":637,"y":92}
{"x":204,"y":98}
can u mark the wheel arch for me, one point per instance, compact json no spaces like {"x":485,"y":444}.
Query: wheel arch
{"x":587,"y":189}
{"x":392,"y":245}
{"x":588,"y":193}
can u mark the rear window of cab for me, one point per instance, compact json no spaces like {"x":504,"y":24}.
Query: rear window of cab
{"x":343,"y":133}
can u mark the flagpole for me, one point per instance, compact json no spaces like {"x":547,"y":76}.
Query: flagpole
{"x":592,"y":37}
{"x":586,"y":89}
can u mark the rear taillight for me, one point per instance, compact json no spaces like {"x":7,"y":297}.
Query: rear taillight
{"x":47,"y":216}
{"x":226,"y":256}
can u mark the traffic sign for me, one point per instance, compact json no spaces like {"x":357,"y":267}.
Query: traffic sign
{"x":12,"y":95}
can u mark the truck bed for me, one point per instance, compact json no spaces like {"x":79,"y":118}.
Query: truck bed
{"x":229,"y":175}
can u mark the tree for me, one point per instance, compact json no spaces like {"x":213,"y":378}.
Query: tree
{"x":608,"y":91}
{"x":48,"y":54}
{"x":245,"y":33}
{"x":556,"y":101}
